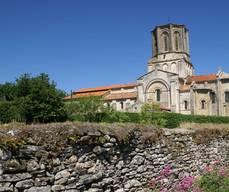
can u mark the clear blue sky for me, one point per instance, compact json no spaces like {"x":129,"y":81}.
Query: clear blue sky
{"x":87,"y":43}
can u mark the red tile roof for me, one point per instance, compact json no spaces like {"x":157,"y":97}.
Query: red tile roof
{"x":103,"y":88}
{"x":201,"y":78}
{"x":184,"y":87}
{"x":99,"y":91}
{"x":117,"y":96}
{"x":86,"y":94}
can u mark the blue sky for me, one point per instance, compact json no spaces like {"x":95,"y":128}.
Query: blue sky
{"x":87,"y":43}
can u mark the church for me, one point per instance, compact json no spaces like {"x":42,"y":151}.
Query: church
{"x":169,"y":81}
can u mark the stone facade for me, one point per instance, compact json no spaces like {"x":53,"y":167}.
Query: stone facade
{"x":170,"y":80}
{"x":98,"y":161}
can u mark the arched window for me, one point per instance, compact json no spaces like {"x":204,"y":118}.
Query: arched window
{"x":177,"y":40}
{"x":185,"y":105}
{"x":122,"y":106}
{"x":213,"y":97}
{"x":165,"y":67}
{"x":114,"y":106}
{"x":127,"y":105}
{"x":227,"y":96}
{"x":158,"y":95}
{"x":165,"y":41}
{"x":174,"y":68}
{"x":203,"y":104}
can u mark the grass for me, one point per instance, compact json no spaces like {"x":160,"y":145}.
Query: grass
{"x":206,"y":132}
{"x":204,"y":125}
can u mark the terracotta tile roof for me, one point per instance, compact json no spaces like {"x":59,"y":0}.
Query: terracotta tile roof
{"x":165,"y":109}
{"x":86,"y":94}
{"x":116,"y":96}
{"x":184,"y":87}
{"x":103,"y":88}
{"x":67,"y":97}
{"x":201,"y":78}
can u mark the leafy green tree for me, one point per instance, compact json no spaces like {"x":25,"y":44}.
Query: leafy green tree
{"x":7,"y":92}
{"x":34,"y":99}
{"x":86,"y":108}
{"x":150,"y":114}
{"x":7,"y":111}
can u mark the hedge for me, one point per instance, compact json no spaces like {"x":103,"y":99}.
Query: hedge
{"x":172,"y":120}
{"x":109,"y":117}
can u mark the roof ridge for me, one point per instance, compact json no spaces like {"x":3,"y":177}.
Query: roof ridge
{"x":202,"y":75}
{"x":105,"y":87}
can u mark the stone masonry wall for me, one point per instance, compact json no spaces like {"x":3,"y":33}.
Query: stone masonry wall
{"x":99,"y":161}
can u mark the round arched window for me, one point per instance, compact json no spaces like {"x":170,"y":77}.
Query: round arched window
{"x":165,"y":41}
{"x":158,"y":94}
{"x":177,"y":40}
{"x":174,"y":68}
{"x":185,"y":105}
{"x":203,"y":104}
{"x":165,"y":67}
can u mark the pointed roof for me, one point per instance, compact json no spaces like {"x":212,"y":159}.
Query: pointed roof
{"x":157,"y":70}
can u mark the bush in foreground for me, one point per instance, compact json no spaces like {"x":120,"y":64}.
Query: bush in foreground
{"x":215,"y":178}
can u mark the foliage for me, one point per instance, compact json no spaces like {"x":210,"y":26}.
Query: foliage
{"x":93,"y":109}
{"x":215,"y":178}
{"x":175,"y":119}
{"x":115,"y":116}
{"x":7,"y":111}
{"x":7,"y":92}
{"x":11,"y":143}
{"x":150,"y":114}
{"x":160,"y":119}
{"x":31,"y":99}
{"x":89,"y":109}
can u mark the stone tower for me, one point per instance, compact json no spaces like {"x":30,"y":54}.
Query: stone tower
{"x":170,"y":45}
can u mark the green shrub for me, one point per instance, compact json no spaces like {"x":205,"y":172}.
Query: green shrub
{"x":174,"y":119}
{"x":116,"y":116}
{"x":90,"y":109}
{"x":150,"y":114}
{"x":31,"y":99}
{"x":215,"y":178}
{"x":7,"y":112}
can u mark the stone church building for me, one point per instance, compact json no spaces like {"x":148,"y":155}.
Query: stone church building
{"x":169,"y":80}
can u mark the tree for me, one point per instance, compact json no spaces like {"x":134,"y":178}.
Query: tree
{"x":36,"y":99}
{"x":150,"y":114}
{"x":7,"y":111}
{"x":86,"y":108}
{"x":7,"y":91}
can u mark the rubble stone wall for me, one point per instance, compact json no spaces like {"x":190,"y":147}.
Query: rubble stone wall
{"x":106,"y":164}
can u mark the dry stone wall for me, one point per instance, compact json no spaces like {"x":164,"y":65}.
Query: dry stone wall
{"x":106,"y":164}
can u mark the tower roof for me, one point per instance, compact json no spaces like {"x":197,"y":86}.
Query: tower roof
{"x":170,"y":24}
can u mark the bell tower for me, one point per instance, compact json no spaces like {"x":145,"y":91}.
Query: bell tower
{"x":170,"y":50}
